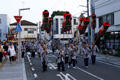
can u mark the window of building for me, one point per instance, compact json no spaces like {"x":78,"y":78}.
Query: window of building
{"x":112,"y":19}
{"x":0,"y":33}
{"x":30,"y":30}
{"x":74,"y":22}
{"x":25,"y":29}
{"x":0,"y":21}
{"x":56,"y":26}
{"x":104,"y":19}
{"x":61,"y":20}
{"x":109,"y":18}
{"x":100,"y":21}
{"x":62,"y":32}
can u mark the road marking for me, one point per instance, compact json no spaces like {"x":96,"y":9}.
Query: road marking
{"x":35,"y":75}
{"x":32,"y":68}
{"x":67,"y":76}
{"x":31,"y":64}
{"x":28,"y":58}
{"x":52,"y":56}
{"x":28,"y":53}
{"x":90,"y":73}
{"x":60,"y":76}
{"x":108,"y":64}
{"x":49,"y":61}
{"x":52,"y":65}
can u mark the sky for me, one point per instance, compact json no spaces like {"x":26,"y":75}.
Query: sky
{"x":11,"y":8}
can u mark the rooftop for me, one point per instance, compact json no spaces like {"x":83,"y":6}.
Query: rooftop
{"x":24,"y":23}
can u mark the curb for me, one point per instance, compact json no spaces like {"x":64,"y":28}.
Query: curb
{"x":2,"y":64}
{"x":24,"y":71}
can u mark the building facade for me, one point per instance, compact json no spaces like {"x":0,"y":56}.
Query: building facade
{"x":57,"y":28}
{"x":4,"y":26}
{"x":29,"y":30}
{"x":109,"y":10}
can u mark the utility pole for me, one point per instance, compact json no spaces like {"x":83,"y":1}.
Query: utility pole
{"x":88,"y":24}
{"x":19,"y":36}
{"x":39,"y":29}
{"x":92,"y":30}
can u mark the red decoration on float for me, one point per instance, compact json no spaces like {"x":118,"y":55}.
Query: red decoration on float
{"x":103,"y":29}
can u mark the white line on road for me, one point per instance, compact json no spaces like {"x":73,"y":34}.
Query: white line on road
{"x":35,"y":75}
{"x":29,"y":60}
{"x":31,"y":64}
{"x":32,"y":68}
{"x":60,"y":76}
{"x":108,"y":64}
{"x":49,"y":61}
{"x":52,"y":66}
{"x":66,"y":76}
{"x":90,"y":73}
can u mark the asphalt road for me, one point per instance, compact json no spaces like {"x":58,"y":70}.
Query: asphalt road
{"x":99,"y":71}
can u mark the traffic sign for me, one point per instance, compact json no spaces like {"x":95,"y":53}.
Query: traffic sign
{"x":18,"y":28}
{"x":18,"y":18}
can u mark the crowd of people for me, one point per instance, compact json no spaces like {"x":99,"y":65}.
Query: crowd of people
{"x":66,"y":53}
{"x":8,"y":49}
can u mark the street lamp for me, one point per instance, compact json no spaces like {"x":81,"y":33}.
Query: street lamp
{"x":82,"y":6}
{"x":19,"y":36}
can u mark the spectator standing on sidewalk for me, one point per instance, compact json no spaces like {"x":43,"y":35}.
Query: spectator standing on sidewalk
{"x":5,"y":47}
{"x":1,"y":53}
{"x":12,"y":52}
{"x":23,"y":49}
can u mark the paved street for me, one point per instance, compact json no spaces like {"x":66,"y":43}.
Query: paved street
{"x":99,"y":71}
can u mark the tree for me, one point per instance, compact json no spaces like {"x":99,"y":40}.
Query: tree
{"x":81,"y":15}
{"x":57,"y":13}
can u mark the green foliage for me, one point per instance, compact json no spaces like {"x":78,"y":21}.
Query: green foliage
{"x":57,"y":13}
{"x":81,"y":15}
{"x":118,"y":49}
{"x":117,"y":54}
{"x":104,"y":51}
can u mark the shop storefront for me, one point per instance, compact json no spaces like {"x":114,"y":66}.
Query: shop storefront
{"x":110,"y":40}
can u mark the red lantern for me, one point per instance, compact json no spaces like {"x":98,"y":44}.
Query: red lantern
{"x":103,"y":29}
{"x":93,"y":22}
{"x":67,"y":22}
{"x":45,"y":19}
{"x":83,"y":26}
{"x":50,"y":25}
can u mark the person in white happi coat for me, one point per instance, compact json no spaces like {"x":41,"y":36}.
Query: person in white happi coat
{"x":67,"y":55}
{"x":44,"y":58}
{"x":60,"y":59}
{"x":75,"y":50}
{"x":39,"y":48}
{"x":32,"y":48}
{"x":94,"y":50}
{"x":73,"y":56}
{"x":85,"y":54}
